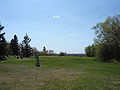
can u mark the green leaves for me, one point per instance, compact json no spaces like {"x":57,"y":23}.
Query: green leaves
{"x":108,"y":38}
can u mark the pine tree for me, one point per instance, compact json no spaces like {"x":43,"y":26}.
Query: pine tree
{"x":26,"y":49}
{"x":3,"y":50}
{"x":14,"y":46}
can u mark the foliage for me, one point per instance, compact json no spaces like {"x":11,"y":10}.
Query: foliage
{"x":43,"y":53}
{"x":62,"y":54}
{"x":108,"y":38}
{"x":3,"y":43}
{"x":25,"y":47}
{"x":34,"y":51}
{"x":14,"y":46}
{"x":90,"y":51}
{"x":8,"y":49}
{"x":44,"y":49}
{"x":104,"y":52}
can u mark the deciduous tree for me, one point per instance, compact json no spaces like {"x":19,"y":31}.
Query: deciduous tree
{"x":108,"y":38}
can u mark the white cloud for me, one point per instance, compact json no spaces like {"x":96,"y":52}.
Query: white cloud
{"x":56,"y":17}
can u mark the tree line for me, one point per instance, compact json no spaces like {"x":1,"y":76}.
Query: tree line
{"x":14,"y":48}
{"x":107,"y":41}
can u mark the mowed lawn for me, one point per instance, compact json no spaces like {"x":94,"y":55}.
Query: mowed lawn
{"x":59,"y":73}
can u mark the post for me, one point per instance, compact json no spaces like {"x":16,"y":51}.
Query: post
{"x":37,"y":60}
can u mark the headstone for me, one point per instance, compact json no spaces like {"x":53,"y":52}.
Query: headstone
{"x":37,"y":60}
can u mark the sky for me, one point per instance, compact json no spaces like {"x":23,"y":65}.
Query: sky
{"x":59,"y":25}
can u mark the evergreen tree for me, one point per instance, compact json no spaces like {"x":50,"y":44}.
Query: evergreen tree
{"x":3,"y":50}
{"x":44,"y":49}
{"x":14,"y":46}
{"x":26,"y":49}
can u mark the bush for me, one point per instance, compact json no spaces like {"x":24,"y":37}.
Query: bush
{"x":90,"y":51}
{"x":104,"y":53}
{"x":62,"y":54}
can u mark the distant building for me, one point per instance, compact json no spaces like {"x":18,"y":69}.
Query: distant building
{"x":50,"y":51}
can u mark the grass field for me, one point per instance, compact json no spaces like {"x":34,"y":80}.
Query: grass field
{"x":59,"y":73}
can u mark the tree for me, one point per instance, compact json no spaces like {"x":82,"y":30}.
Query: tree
{"x":44,"y":52}
{"x":104,"y":52}
{"x":44,"y":49}
{"x":3,"y":50}
{"x":14,"y":46}
{"x":108,"y":38}
{"x":26,"y":49}
{"x":62,"y":54}
{"x":90,"y":51}
{"x":8,"y":49}
{"x":34,"y":51}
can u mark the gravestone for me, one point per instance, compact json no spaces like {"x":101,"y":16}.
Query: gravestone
{"x":37,"y":60}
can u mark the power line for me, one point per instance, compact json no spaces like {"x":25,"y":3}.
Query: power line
{"x":77,"y":21}
{"x":70,"y":25}
{"x":77,"y":28}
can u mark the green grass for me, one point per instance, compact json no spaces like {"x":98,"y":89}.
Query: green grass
{"x":59,"y":73}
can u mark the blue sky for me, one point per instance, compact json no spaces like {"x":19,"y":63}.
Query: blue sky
{"x":59,"y":25}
